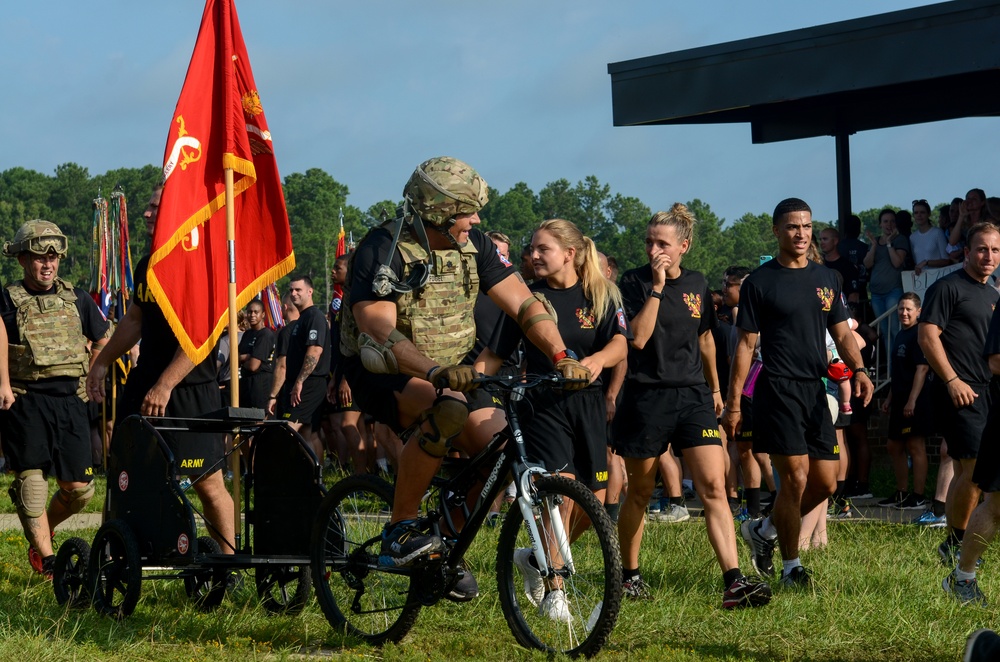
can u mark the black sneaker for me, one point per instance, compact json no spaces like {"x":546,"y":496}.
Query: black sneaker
{"x":465,"y":588}
{"x":636,"y":589}
{"x":762,"y":548}
{"x":893,"y":501}
{"x":797,"y":577}
{"x":966,"y":591}
{"x":746,"y":593}
{"x":949,"y":553}
{"x":403,"y":544}
{"x":912,"y":502}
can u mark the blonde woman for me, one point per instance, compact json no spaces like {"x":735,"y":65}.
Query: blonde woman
{"x":672,"y":399}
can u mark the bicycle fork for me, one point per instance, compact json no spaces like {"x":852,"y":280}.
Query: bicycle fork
{"x":538,"y":544}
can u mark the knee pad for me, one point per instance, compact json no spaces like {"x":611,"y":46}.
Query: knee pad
{"x":446,"y":418}
{"x":75,"y":500}
{"x":29,"y":492}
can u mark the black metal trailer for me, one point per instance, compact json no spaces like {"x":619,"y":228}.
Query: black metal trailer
{"x":150,"y":531}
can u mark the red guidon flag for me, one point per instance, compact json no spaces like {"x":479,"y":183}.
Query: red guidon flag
{"x":218,"y":124}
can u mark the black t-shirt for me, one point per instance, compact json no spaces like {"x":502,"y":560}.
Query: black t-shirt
{"x":791,"y":309}
{"x":281,"y":344}
{"x":671,"y":356}
{"x":855,"y":250}
{"x":159,"y":344}
{"x":311,"y":330}
{"x":577,"y":326}
{"x":92,"y":323}
{"x":259,"y":345}
{"x":906,"y":356}
{"x":848,"y":271}
{"x":372,"y":251}
{"x":962,"y":307}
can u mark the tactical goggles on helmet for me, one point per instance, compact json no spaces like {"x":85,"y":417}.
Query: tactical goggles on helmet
{"x":39,"y":245}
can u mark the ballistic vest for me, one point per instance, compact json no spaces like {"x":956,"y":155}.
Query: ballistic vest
{"x":438,"y":318}
{"x":52,"y":342}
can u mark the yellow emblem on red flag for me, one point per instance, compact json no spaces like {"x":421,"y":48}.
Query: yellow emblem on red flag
{"x":218,"y":124}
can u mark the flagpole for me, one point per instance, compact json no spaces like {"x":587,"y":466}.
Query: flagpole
{"x":234,"y":353}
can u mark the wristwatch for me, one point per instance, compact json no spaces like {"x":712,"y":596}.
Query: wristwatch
{"x":656,"y":295}
{"x":860,"y":370}
{"x":564,"y":354}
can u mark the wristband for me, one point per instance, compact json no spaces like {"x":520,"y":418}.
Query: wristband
{"x":656,"y":295}
{"x":427,"y":377}
{"x":564,"y":354}
{"x":717,"y":391}
{"x":952,"y":379}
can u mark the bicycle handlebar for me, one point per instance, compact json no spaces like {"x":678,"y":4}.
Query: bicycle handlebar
{"x":528,"y":381}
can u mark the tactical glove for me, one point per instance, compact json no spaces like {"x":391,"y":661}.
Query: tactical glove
{"x":456,"y":377}
{"x":573,"y":369}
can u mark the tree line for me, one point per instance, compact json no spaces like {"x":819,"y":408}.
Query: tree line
{"x":316,"y":203}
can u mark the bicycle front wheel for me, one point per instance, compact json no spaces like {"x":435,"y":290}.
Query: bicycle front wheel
{"x":357,"y":596}
{"x":574,"y":608}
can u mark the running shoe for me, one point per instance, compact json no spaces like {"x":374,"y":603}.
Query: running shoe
{"x":859,"y":491}
{"x":797,"y":577}
{"x":746,"y":593}
{"x":465,"y":589}
{"x":912,"y":502}
{"x":981,"y":645}
{"x":742,"y":516}
{"x":931,"y":521}
{"x":894,"y":501}
{"x":554,"y":606}
{"x":636,"y":589}
{"x":654,"y":506}
{"x":403,"y":544}
{"x":762,"y":548}
{"x":966,"y":591}
{"x":672,"y":513}
{"x":949,"y":553}
{"x":841,"y":510}
{"x":534,"y":586}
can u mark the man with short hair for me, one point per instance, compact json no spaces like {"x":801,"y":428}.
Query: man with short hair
{"x":398,"y":355}
{"x":829,"y":241}
{"x":929,"y":244}
{"x":952,"y":334}
{"x":308,"y":363}
{"x":46,"y":430}
{"x":291,"y":316}
{"x":166,"y":383}
{"x":791,"y":302}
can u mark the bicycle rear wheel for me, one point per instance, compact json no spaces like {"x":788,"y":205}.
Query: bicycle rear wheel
{"x":580,"y":620}
{"x":357,"y":596}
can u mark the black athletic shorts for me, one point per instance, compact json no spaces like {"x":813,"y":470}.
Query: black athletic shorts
{"x":564,"y":431}
{"x":651,"y":418}
{"x":483,"y":399}
{"x":962,"y":427}
{"x":195,"y":453}
{"x":48,"y":432}
{"x":792,"y":417}
{"x":902,"y":428}
{"x":746,"y":420}
{"x":309,"y":411}
{"x":986,"y":473}
{"x":375,"y":394}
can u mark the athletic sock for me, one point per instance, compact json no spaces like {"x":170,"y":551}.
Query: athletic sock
{"x":959,"y":534}
{"x":613,"y":509}
{"x":786,"y":566}
{"x":840,"y":490}
{"x":963,"y":576}
{"x":676,"y":500}
{"x":752,"y":495}
{"x":767,"y":529}
{"x":938,"y":508}
{"x":730,"y":576}
{"x":628,"y":574}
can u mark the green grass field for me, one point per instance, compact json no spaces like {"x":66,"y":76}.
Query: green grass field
{"x":877,"y":596}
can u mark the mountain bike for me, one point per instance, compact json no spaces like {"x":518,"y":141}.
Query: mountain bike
{"x":559,"y":532}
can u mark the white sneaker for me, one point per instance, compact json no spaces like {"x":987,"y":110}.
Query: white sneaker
{"x":554,"y":606}
{"x":534,"y":586}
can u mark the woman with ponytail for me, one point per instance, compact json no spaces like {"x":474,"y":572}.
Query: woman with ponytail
{"x":672,"y":399}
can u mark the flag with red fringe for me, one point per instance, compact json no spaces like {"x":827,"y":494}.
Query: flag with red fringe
{"x":218,"y":124}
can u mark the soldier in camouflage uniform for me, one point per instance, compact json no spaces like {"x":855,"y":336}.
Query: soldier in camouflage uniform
{"x":47,"y":323}
{"x":407,"y":322}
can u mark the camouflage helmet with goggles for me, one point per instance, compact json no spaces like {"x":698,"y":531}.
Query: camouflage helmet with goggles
{"x":443,"y":187}
{"x":38,"y":237}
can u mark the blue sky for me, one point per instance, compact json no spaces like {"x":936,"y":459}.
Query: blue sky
{"x":519,"y":89}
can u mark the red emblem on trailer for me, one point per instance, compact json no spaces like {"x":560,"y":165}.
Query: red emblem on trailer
{"x":123,"y":481}
{"x":182,"y":543}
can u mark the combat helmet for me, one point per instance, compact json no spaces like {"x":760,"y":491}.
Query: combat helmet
{"x":443,"y":187}
{"x":39,"y":237}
